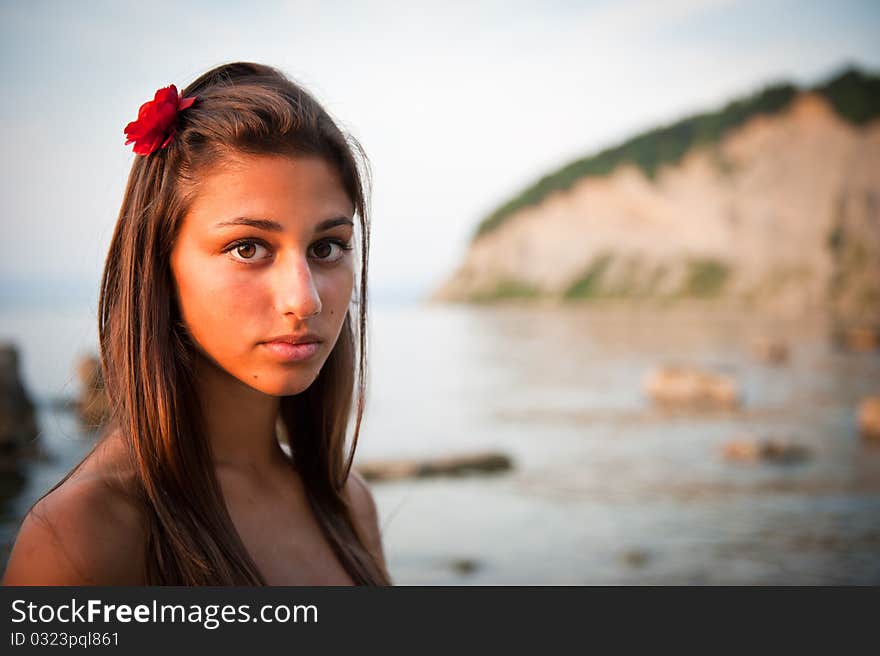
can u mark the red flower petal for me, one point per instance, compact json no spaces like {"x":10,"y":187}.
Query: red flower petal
{"x":155,"y":125}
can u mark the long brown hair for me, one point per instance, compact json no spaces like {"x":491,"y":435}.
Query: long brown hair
{"x":147,"y":357}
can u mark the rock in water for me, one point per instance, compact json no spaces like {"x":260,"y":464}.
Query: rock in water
{"x":861,"y":339}
{"x":683,"y":387}
{"x":869,"y":418}
{"x":18,"y":425}
{"x":464,"y":565}
{"x":748,"y":450}
{"x":385,"y":470}
{"x":770,"y":351}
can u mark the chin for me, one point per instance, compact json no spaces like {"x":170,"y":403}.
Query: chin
{"x":284,"y":384}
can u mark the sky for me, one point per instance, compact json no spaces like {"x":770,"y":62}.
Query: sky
{"x":458,"y":104}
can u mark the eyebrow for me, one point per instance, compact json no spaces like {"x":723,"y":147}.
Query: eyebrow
{"x":273,"y":226}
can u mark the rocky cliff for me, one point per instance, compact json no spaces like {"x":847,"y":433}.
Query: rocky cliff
{"x":781,"y":211}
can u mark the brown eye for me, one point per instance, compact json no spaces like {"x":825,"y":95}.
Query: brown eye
{"x":323,"y":250}
{"x":246,"y":250}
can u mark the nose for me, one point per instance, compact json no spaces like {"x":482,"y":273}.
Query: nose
{"x":295,"y":290}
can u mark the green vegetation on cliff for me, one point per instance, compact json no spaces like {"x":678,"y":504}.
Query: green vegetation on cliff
{"x":702,"y":278}
{"x":854,"y":95}
{"x":705,"y":278}
{"x":506,"y":290}
{"x":589,"y":285}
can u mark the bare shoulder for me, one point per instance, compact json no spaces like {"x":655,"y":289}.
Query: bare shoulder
{"x":88,"y":531}
{"x":366,"y":515}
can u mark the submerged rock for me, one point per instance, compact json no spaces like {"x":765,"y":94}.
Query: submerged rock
{"x":675,"y":386}
{"x":635,"y":558}
{"x":869,"y":418}
{"x":770,"y":351}
{"x":860,"y":339}
{"x":385,"y":470}
{"x":18,"y":425}
{"x":464,"y":565}
{"x":748,"y":450}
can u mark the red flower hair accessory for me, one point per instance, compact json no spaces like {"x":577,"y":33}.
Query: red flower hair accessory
{"x":155,"y":124}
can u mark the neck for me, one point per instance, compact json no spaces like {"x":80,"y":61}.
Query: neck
{"x":240,"y":421}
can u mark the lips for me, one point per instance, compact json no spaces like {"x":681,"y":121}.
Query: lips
{"x":295,"y":338}
{"x":289,"y":352}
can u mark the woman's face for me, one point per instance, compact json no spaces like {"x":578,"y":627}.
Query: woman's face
{"x":259,"y":261}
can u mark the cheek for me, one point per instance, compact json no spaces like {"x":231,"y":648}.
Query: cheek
{"x":335,"y":288}
{"x":217,"y":305}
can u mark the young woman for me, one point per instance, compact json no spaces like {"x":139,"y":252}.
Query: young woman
{"x":231,"y":344}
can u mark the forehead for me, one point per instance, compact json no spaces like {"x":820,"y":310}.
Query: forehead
{"x":292,"y":191}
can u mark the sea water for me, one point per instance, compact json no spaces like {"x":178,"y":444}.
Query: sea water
{"x":604,"y":488}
